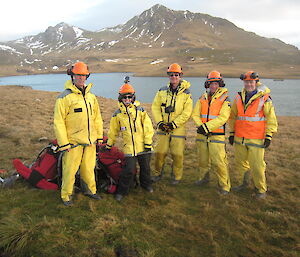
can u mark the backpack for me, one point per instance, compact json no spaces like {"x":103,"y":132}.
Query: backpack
{"x":46,"y":172}
{"x":108,"y":169}
{"x":42,"y":173}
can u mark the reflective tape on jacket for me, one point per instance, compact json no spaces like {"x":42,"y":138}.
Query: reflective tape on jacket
{"x":210,"y":111}
{"x":165,"y":134}
{"x":250,"y":144}
{"x":211,"y":141}
{"x":251,"y":123}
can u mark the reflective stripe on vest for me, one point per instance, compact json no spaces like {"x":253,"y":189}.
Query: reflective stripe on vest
{"x":210,"y":111}
{"x":251,"y":123}
{"x":250,"y":118}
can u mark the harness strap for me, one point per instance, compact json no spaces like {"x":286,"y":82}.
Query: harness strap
{"x":35,"y":177}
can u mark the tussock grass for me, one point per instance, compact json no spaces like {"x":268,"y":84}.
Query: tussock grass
{"x":174,"y":221}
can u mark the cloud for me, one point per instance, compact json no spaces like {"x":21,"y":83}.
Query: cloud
{"x":33,"y":16}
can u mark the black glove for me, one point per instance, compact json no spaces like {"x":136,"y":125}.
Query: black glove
{"x":201,"y":130}
{"x":104,"y":148}
{"x":267,"y":143}
{"x":231,"y":140}
{"x":146,"y":149}
{"x":170,"y":126}
{"x":162,"y":126}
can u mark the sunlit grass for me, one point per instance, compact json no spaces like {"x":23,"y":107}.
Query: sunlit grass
{"x":182,"y":220}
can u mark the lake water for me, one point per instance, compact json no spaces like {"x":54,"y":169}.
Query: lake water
{"x":285,"y":94}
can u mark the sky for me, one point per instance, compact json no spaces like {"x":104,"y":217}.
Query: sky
{"x":269,"y":18}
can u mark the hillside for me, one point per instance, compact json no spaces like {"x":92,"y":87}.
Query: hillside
{"x":174,"y":221}
{"x":148,"y":43}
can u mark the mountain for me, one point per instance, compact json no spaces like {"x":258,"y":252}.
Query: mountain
{"x":150,"y":41}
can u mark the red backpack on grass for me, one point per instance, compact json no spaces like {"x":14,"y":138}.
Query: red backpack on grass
{"x":42,"y":173}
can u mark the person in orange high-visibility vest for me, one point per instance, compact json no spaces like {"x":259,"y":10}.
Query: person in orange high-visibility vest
{"x":210,"y":114}
{"x":252,"y":124}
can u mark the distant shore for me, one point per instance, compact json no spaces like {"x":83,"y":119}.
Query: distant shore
{"x":190,"y":69}
{"x":142,"y":74}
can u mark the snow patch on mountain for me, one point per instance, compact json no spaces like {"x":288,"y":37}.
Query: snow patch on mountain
{"x":78,"y":32}
{"x":10,"y":49}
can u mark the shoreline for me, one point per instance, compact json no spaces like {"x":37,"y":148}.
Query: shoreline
{"x":103,"y":97}
{"x":155,"y":75}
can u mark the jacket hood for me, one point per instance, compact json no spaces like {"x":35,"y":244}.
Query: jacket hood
{"x":261,"y":90}
{"x":220,"y":91}
{"x":71,"y":86}
{"x":183,"y":85}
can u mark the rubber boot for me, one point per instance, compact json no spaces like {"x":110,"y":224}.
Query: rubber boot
{"x":203,"y":181}
{"x":245,"y":183}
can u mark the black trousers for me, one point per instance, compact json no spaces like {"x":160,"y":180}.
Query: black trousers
{"x":127,"y":174}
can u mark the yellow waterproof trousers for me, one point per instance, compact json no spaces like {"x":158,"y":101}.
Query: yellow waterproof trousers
{"x":83,"y":158}
{"x":176,"y":145}
{"x":211,"y":151}
{"x":249,"y":154}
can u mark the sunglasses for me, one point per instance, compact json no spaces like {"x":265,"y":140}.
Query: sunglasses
{"x":80,"y":75}
{"x":127,"y":97}
{"x":174,"y":75}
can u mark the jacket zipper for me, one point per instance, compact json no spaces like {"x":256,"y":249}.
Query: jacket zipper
{"x":88,"y":118}
{"x":169,"y":114}
{"x":131,"y":132}
{"x":91,"y":109}
{"x":208,"y":107}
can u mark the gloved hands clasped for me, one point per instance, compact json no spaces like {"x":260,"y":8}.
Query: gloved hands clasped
{"x":166,"y":127}
{"x":231,"y":140}
{"x":201,"y":130}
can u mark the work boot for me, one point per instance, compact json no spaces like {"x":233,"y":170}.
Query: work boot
{"x":261,"y":196}
{"x":155,"y":179}
{"x":148,"y":189}
{"x":203,"y":181}
{"x":68,"y":203}
{"x":93,"y":196}
{"x":118,"y":197}
{"x":245,"y":183}
{"x":175,"y":182}
{"x":239,"y":188}
{"x":223,"y":192}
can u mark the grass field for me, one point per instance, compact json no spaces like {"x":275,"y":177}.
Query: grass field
{"x":175,"y":221}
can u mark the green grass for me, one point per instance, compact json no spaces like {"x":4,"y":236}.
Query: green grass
{"x":175,"y":221}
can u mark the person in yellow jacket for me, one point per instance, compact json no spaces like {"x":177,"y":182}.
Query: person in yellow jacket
{"x":137,"y":131}
{"x":171,"y":108}
{"x":210,"y":114}
{"x":78,"y":126}
{"x":252,"y":124}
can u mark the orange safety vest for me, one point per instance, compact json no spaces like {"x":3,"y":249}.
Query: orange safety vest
{"x":251,"y":123}
{"x":211,"y":110}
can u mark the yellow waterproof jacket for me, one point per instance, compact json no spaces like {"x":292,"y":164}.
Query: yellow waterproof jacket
{"x":77,"y":117}
{"x":268,"y":110}
{"x":135,"y":126}
{"x":180,"y":101}
{"x":214,"y":123}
